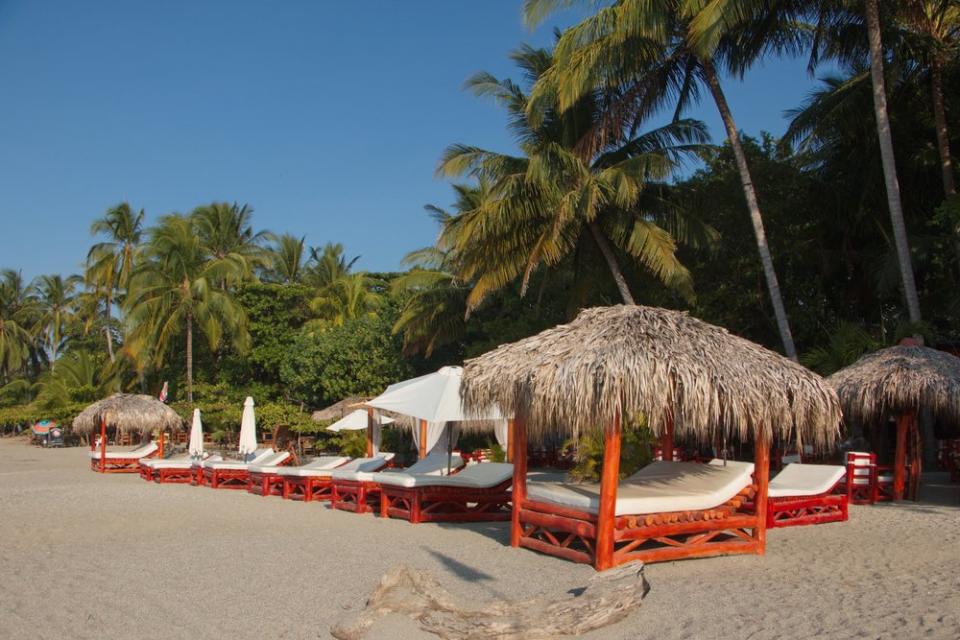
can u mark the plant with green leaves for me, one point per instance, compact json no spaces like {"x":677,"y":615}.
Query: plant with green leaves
{"x":18,"y":310}
{"x":80,"y":378}
{"x":55,"y":297}
{"x":636,"y":452}
{"x":287,"y":260}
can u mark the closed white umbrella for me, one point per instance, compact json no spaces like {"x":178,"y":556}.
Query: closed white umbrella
{"x":196,"y":435}
{"x":248,"y":429}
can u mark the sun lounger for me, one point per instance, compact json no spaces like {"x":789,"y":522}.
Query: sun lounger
{"x":175,"y":470}
{"x":268,"y":480}
{"x":357,"y":490}
{"x":233,"y":474}
{"x":479,"y":493}
{"x":867,"y":482}
{"x":807,"y":494}
{"x":665,"y":511}
{"x":122,"y":461}
{"x":309,"y":485}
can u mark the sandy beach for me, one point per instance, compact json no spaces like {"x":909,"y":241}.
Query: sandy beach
{"x":84,"y":555}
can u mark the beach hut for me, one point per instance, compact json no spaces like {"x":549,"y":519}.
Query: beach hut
{"x":899,"y":382}
{"x":127,"y":413}
{"x":683,"y":375}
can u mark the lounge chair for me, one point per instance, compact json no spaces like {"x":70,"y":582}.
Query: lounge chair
{"x":309,"y":485}
{"x":176,"y":469}
{"x":122,"y":461}
{"x":355,"y":490}
{"x":268,"y":480}
{"x":665,"y":511}
{"x":233,"y":474}
{"x":807,"y":494}
{"x":479,"y":493}
{"x":867,"y":482}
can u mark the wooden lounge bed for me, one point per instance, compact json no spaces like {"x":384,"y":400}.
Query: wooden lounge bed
{"x":176,"y":470}
{"x":268,"y":480}
{"x":807,"y":494}
{"x":479,"y":493}
{"x":665,"y":511}
{"x":233,"y":474}
{"x":357,"y":490}
{"x":867,"y":482}
{"x":122,"y":461}
{"x":309,"y":485}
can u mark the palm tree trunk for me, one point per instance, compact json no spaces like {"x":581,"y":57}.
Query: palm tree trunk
{"x":766,"y":260}
{"x":940,"y":121}
{"x":106,"y":331}
{"x":189,"y":357}
{"x":612,"y":264}
{"x":889,"y":162}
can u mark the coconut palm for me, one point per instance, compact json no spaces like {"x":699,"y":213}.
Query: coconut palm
{"x":286,"y":256}
{"x":327,"y":265}
{"x":226,"y":234}
{"x":176,"y":290}
{"x":656,"y":51}
{"x":110,"y":263}
{"x":349,"y":297}
{"x":543,"y":203}
{"x":79,"y":378}
{"x":17,"y":317}
{"x":55,"y":297}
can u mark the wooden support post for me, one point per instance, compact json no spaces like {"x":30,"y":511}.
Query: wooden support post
{"x":370,"y":432}
{"x":103,"y":444}
{"x":609,"y":479}
{"x":666,"y":440}
{"x":761,"y":470}
{"x":423,"y":439}
{"x":519,"y":493}
{"x":916,"y":458}
{"x":510,"y":440}
{"x":900,"y":457}
{"x":162,"y":438}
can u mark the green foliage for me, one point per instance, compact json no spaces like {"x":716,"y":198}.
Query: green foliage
{"x":636,"y":451}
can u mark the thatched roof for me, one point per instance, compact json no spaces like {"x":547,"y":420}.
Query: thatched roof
{"x":633,"y":359}
{"x":129,"y":413}
{"x":338,"y":409}
{"x":894,"y":380}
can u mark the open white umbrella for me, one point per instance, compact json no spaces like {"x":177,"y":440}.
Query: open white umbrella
{"x":248,"y":429}
{"x":355,"y":421}
{"x":196,"y":435}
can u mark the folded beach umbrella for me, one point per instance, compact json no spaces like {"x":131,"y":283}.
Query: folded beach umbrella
{"x":196,"y":435}
{"x":248,"y":429}
{"x":355,"y":421}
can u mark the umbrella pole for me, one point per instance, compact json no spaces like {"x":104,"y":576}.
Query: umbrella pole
{"x":369,"y":433}
{"x":423,"y":440}
{"x":449,"y":447}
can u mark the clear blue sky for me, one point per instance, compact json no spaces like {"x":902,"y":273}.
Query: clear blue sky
{"x":327,"y":117}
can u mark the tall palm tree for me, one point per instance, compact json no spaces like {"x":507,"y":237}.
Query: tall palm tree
{"x":176,"y":290}
{"x":287,"y":259}
{"x":110,"y":263}
{"x":79,"y":378}
{"x":55,"y":297}
{"x":657,"y":50}
{"x":349,"y":297}
{"x":17,"y":317}
{"x":226,"y":234}
{"x":327,"y":265}
{"x":564,"y":187}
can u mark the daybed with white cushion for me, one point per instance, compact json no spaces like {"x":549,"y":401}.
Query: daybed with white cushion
{"x":665,"y":511}
{"x":121,"y":461}
{"x":479,"y":493}
{"x":301,"y":483}
{"x":233,"y":474}
{"x":807,"y":494}
{"x":177,"y":469}
{"x":357,"y":490}
{"x":267,"y":480}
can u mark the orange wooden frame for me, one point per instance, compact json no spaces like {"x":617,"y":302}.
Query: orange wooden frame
{"x":439,"y":503}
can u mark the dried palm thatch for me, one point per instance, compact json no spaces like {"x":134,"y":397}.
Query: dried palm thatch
{"x":631,"y":360}
{"x":900,"y":379}
{"x":128,"y":413}
{"x":337,"y":410}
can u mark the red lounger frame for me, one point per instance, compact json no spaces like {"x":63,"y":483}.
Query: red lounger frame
{"x":794,"y":511}
{"x":354,"y":495}
{"x":265,"y":484}
{"x":228,"y":478}
{"x":307,"y":488}
{"x":119,"y":465}
{"x":163,"y":475}
{"x":439,"y":503}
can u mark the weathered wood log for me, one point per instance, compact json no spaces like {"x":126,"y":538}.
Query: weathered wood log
{"x":608,"y":597}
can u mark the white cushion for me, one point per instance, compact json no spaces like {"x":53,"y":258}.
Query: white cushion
{"x":357,"y":464}
{"x":259,"y":456}
{"x":805,"y":480}
{"x":435,"y":464}
{"x":323,"y":463}
{"x":660,"y":487}
{"x":476,"y":476}
{"x":269,"y":464}
{"x":133,"y":454}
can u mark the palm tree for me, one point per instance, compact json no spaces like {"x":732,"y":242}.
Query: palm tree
{"x":79,"y":378}
{"x":349,"y":297}
{"x":662,"y":52}
{"x":110,"y":264}
{"x":17,"y":317}
{"x":542,"y":204}
{"x":177,"y":288}
{"x":226,"y":235}
{"x":327,"y":265}
{"x":55,"y":297}
{"x":287,"y":259}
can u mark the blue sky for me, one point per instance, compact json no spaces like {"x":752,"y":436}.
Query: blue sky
{"x":327,"y":117}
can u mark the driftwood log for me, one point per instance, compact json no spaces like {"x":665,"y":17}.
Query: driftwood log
{"x":607,"y":598}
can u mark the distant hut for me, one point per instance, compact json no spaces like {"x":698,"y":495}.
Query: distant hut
{"x":682,"y":374}
{"x":338,"y":409}
{"x":899,"y":382}
{"x":127,"y":413}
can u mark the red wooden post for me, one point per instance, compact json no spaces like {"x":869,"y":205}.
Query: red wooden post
{"x":162,"y":433}
{"x":510,"y":440}
{"x":609,"y":479}
{"x":103,"y":444}
{"x":666,"y":440}
{"x":519,"y":442}
{"x":423,"y":439}
{"x":916,"y":462}
{"x":900,"y":458}
{"x":761,"y":470}
{"x":369,"y":432}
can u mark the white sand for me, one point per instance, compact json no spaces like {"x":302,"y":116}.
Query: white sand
{"x":84,"y":555}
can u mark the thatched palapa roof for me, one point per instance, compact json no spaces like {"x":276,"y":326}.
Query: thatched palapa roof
{"x":633,"y":359}
{"x":338,"y":409}
{"x":900,"y":379}
{"x":128,"y":413}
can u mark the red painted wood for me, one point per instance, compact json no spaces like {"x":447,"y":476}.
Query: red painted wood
{"x":509,"y":451}
{"x":103,"y":444}
{"x":666,"y":441}
{"x":519,"y":478}
{"x":900,"y":458}
{"x":609,"y":480}
{"x":761,"y":470}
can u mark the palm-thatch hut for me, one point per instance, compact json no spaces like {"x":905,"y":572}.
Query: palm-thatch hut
{"x":338,"y":409}
{"x":679,"y":372}
{"x":127,"y":413}
{"x":898,"y":382}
